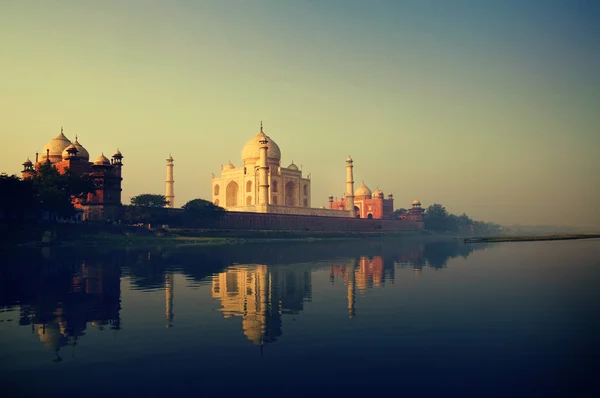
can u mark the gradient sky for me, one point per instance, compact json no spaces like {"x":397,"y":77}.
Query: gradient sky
{"x":489,"y":107}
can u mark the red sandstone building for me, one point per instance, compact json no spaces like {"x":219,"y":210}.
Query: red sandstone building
{"x":367,"y":204}
{"x":102,"y":204}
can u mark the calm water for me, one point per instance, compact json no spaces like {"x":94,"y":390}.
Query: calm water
{"x":513,"y":319}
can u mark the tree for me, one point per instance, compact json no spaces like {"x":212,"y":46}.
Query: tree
{"x":56,"y":192}
{"x":400,"y":212}
{"x":148,"y":209}
{"x":201,"y":212}
{"x":19,"y":198}
{"x":436,"y":217}
{"x":149,"y":200}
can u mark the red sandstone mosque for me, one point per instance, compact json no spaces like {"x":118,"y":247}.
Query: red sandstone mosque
{"x":102,"y":204}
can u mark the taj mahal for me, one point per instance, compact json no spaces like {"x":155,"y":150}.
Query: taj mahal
{"x":261,"y":185}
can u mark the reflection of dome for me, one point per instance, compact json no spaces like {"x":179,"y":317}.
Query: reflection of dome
{"x":56,"y":146}
{"x":292,"y":166}
{"x":81,"y":151}
{"x":229,"y":166}
{"x":102,"y":161}
{"x":251,"y":151}
{"x":363,"y":190}
{"x":254,"y":328}
{"x":71,"y":148}
{"x":416,"y":203}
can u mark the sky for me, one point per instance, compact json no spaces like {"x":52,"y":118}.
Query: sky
{"x":488,"y":107}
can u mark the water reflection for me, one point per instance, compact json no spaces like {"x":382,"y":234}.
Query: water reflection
{"x":60,"y":306}
{"x":61,"y":294}
{"x":260,"y":296}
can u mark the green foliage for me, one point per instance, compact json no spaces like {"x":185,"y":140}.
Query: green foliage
{"x":148,"y":209}
{"x":200,"y":212}
{"x":18,"y":200}
{"x":47,"y":190}
{"x":399,"y":212}
{"x":438,"y":219}
{"x":149,"y":200}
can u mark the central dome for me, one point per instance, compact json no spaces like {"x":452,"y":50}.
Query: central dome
{"x":362,"y":190}
{"x":55,"y":147}
{"x":251,"y":151}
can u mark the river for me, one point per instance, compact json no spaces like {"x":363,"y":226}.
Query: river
{"x":280,"y":319}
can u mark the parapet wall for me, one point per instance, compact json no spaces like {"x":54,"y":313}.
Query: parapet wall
{"x":291,"y":210}
{"x":295,"y":222}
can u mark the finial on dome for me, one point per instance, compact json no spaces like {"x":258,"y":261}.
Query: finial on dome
{"x":75,"y":137}
{"x":61,"y":129}
{"x":261,"y":130}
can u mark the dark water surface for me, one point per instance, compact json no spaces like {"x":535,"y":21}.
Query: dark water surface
{"x":403,"y":318}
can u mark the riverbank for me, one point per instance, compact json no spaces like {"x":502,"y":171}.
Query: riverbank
{"x":70,"y":235}
{"x":498,"y":239}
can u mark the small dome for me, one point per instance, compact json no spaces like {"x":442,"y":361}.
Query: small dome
{"x":70,"y":151}
{"x":363,"y":190}
{"x":349,"y":160}
{"x":390,"y":194}
{"x":119,"y":155}
{"x":251,"y":151}
{"x":81,"y":151}
{"x":102,"y":161}
{"x":416,"y":203}
{"x":27,"y":162}
{"x":378,"y":193}
{"x":292,"y":166}
{"x":229,"y":166}
{"x":55,"y":147}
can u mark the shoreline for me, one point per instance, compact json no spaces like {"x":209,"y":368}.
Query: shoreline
{"x":122,"y":237}
{"x":532,"y":238}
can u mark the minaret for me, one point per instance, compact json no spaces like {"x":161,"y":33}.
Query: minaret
{"x":263,"y":178}
{"x":170,"y":195}
{"x":349,"y":185}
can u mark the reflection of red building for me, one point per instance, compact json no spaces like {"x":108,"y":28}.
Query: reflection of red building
{"x":367,"y":204}
{"x":65,"y":155}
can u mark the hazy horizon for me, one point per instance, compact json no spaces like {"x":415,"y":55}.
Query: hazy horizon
{"x":489,"y":108}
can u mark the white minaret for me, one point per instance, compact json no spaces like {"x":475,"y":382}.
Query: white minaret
{"x":349,"y":185}
{"x":170,"y":183}
{"x":263,"y":177}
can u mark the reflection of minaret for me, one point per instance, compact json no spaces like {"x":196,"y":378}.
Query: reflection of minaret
{"x":351,"y":289}
{"x":170,"y":194}
{"x":169,"y":290}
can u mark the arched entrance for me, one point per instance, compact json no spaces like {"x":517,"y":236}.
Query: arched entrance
{"x":291,"y":193}
{"x":231,"y":194}
{"x":356,"y":212}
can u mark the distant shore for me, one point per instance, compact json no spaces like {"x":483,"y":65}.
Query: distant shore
{"x":533,"y":238}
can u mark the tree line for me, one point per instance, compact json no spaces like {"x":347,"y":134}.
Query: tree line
{"x":151,"y":209}
{"x":50,"y":193}
{"x":438,"y":219}
{"x":46,"y":191}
